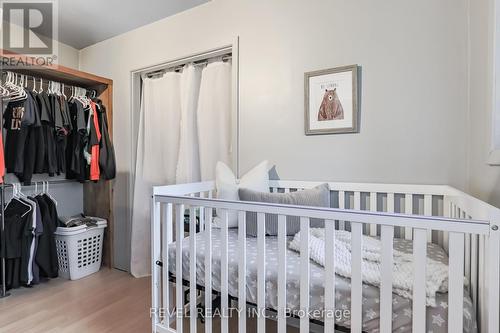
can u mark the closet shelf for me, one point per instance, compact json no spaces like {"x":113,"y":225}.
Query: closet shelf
{"x":62,"y":74}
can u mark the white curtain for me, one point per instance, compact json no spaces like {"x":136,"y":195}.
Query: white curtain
{"x":214,"y":118}
{"x":188,"y":166}
{"x":184,"y":130}
{"x":156,"y":163}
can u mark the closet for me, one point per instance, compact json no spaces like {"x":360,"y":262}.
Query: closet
{"x":97,"y":195}
{"x":187,"y":121}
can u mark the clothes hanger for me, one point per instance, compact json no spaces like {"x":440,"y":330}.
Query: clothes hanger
{"x":16,"y":194}
{"x":49,"y":195}
{"x":27,"y":201}
{"x":3,"y":91}
{"x":19,"y":93}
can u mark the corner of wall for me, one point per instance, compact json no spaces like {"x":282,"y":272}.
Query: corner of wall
{"x":68,"y":56}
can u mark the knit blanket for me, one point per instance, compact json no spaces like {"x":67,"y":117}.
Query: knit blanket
{"x":402,"y":273}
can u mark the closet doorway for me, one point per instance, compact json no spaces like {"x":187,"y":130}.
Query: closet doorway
{"x":197,"y":77}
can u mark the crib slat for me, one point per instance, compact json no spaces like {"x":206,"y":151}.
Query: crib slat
{"x":456,"y":283}
{"x":387,"y":237}
{"x":408,"y":211}
{"x":467,"y":256}
{"x":373,"y":208}
{"x":419,"y":291}
{"x":261,"y":271}
{"x":447,"y":212}
{"x":224,"y":273}
{"x":341,"y":206}
{"x":357,"y":200}
{"x":192,"y":270}
{"x":390,"y":202}
{"x":242,"y":272}
{"x":428,"y":212}
{"x":329,"y":275}
{"x":155,"y":269}
{"x":304,"y":273}
{"x":281,"y":273}
{"x":179,"y":226}
{"x":356,"y":278}
{"x":483,"y":268}
{"x":202,"y":214}
{"x":208,"y":269}
{"x":474,"y":269}
{"x":165,"y":241}
{"x":493,"y":276}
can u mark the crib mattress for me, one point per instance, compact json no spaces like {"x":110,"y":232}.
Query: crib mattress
{"x":402,"y":308}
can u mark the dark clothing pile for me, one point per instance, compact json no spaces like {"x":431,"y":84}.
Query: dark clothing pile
{"x":48,"y":133}
{"x":28,"y":243}
{"x":76,"y":221}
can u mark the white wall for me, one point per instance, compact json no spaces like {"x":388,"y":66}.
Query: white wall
{"x":68,"y":56}
{"x":484,"y":179}
{"x":414,"y":102}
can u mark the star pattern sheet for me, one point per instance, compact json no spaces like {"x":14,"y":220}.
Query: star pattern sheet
{"x":402,"y":307}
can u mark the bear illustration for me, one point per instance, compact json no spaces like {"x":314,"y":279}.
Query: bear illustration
{"x":331,"y":108}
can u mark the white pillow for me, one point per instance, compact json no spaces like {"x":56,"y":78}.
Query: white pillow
{"x":227,"y":187}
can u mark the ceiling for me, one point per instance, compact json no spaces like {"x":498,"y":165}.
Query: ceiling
{"x":86,"y":22}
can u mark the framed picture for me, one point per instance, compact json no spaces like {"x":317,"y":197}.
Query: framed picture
{"x":331,"y":101}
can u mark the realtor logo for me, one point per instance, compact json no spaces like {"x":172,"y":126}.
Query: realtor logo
{"x":29,"y":27}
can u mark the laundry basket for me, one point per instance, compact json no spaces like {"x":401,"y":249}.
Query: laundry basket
{"x":79,"y":249}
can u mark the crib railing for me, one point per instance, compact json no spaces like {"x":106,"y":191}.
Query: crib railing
{"x":466,"y":227}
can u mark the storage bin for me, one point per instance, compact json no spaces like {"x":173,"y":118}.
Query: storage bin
{"x":79,"y":249}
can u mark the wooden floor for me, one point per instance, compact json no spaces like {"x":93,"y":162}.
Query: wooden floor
{"x":108,"y":301}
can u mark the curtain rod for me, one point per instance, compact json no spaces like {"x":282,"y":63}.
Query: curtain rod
{"x":179,"y":68}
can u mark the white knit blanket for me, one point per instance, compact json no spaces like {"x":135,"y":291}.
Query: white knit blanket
{"x":402,"y":276}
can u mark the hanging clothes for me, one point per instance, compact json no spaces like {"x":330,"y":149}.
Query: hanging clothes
{"x":17,"y":242}
{"x":28,"y":243}
{"x":46,"y":254}
{"x":107,"y":159}
{"x":47,"y":161}
{"x":2,"y":161}
{"x":214,"y":118}
{"x":47,"y":133}
{"x":95,"y":141}
{"x":77,"y":166}
{"x":21,"y":118}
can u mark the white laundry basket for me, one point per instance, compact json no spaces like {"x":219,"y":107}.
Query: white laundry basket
{"x":79,"y":249}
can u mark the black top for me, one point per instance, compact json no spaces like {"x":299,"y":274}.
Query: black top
{"x":20,"y":140}
{"x":20,"y":213}
{"x":46,"y":255}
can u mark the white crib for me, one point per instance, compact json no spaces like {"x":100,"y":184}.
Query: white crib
{"x":465,"y":227}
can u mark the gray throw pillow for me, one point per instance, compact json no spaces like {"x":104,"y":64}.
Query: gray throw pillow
{"x":318,"y":196}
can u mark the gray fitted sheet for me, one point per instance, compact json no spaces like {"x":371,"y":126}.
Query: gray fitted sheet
{"x":402,"y":311}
